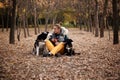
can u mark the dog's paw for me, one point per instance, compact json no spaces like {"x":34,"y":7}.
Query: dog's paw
{"x":33,"y":52}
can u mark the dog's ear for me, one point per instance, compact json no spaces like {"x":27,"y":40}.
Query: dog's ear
{"x":43,"y":32}
{"x":70,"y":40}
{"x":47,"y":32}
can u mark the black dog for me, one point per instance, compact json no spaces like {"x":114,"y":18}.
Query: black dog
{"x":42,"y":36}
{"x":69,"y":47}
{"x":39,"y":43}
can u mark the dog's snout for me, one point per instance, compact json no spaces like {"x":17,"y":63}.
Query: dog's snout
{"x":68,"y":49}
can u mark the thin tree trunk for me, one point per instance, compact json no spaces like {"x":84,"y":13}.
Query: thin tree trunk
{"x":101,"y":32}
{"x":38,"y":25}
{"x":96,"y":19}
{"x":93,"y":23}
{"x":26,"y":19}
{"x":101,"y":24}
{"x":35,"y":20}
{"x":12,"y":29}
{"x":88,"y":26}
{"x":19,"y":31}
{"x":7,"y":20}
{"x":90,"y":22}
{"x":107,"y":27}
{"x":115,"y":23}
{"x":2,"y":23}
{"x":54,"y":19}
{"x":80,"y":21}
{"x":46,"y":23}
{"x":31,"y":21}
{"x":109,"y":33}
{"x":84,"y":26}
{"x":93,"y":29}
{"x":27,"y":26}
{"x":24,"y":27}
{"x":103,"y":19}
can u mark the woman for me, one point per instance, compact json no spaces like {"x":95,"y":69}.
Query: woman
{"x":55,"y":41}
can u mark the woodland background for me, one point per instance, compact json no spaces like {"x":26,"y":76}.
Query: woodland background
{"x":92,"y":15}
{"x":93,"y":25}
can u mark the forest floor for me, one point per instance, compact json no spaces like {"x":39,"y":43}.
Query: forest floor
{"x":96,"y":59}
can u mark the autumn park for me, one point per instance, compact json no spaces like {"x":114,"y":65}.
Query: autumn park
{"x":59,"y":40}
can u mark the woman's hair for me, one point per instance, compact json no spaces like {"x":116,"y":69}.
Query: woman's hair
{"x":60,"y":23}
{"x":58,"y":26}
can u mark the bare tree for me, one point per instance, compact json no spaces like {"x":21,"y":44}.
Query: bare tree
{"x":24,"y":25}
{"x":35,"y":18}
{"x":12,"y":29}
{"x":26,"y":20}
{"x":3,"y":21}
{"x":115,"y":23}
{"x":96,"y":19}
{"x":103,"y":20}
{"x":7,"y":17}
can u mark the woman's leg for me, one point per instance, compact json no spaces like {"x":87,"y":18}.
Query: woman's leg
{"x":58,"y":48}
{"x":49,"y":45}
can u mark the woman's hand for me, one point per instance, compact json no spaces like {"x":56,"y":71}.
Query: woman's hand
{"x":54,"y":40}
{"x":57,"y":43}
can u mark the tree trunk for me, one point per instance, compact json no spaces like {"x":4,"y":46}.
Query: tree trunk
{"x":90,"y":23}
{"x":101,"y":24}
{"x":96,"y":19}
{"x":115,"y":23}
{"x":46,"y":23}
{"x":19,"y":31}
{"x":2,"y":23}
{"x":24,"y":27}
{"x":80,"y":23}
{"x":35,"y":20}
{"x":27,"y":26}
{"x":103,"y":20}
{"x":107,"y":27}
{"x":38,"y":25}
{"x":54,"y":20}
{"x":7,"y":20}
{"x":101,"y":32}
{"x":31,"y":21}
{"x":12,"y":29}
{"x":88,"y":26}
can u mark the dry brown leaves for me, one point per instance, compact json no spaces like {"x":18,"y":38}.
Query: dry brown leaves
{"x":98,"y":60}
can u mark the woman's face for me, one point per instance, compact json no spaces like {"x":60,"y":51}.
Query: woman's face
{"x":56,"y":30}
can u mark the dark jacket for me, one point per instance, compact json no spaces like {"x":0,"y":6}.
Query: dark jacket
{"x":59,"y":37}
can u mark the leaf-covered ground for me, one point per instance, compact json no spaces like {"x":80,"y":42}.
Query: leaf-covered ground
{"x":95,"y":59}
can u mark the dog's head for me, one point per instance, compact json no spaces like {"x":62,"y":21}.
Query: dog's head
{"x":42,"y":36}
{"x":68,"y":48}
{"x":69,"y":42}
